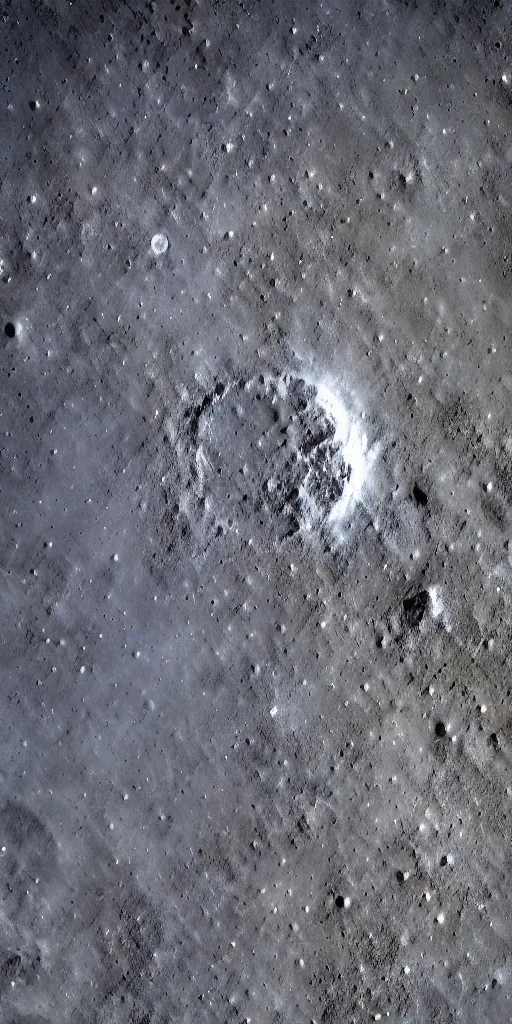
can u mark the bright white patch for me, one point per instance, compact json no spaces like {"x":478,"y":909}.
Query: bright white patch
{"x":159,"y":244}
{"x":354,"y":446}
{"x":437,"y":603}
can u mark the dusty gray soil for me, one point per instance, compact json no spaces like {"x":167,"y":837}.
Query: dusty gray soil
{"x":256,"y":440}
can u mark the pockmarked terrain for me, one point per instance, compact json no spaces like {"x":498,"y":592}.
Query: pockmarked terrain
{"x":256,"y":439}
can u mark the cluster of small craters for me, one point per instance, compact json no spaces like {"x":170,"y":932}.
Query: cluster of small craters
{"x":256,"y":730}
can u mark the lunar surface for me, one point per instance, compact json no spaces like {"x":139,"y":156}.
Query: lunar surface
{"x":256,"y":561}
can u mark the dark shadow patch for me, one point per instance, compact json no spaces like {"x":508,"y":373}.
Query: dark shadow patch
{"x":419,"y":495}
{"x":414,"y":608}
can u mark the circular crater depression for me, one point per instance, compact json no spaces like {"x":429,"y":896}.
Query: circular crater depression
{"x":265,"y":453}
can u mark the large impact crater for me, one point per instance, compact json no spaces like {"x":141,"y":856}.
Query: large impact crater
{"x":264,"y":453}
